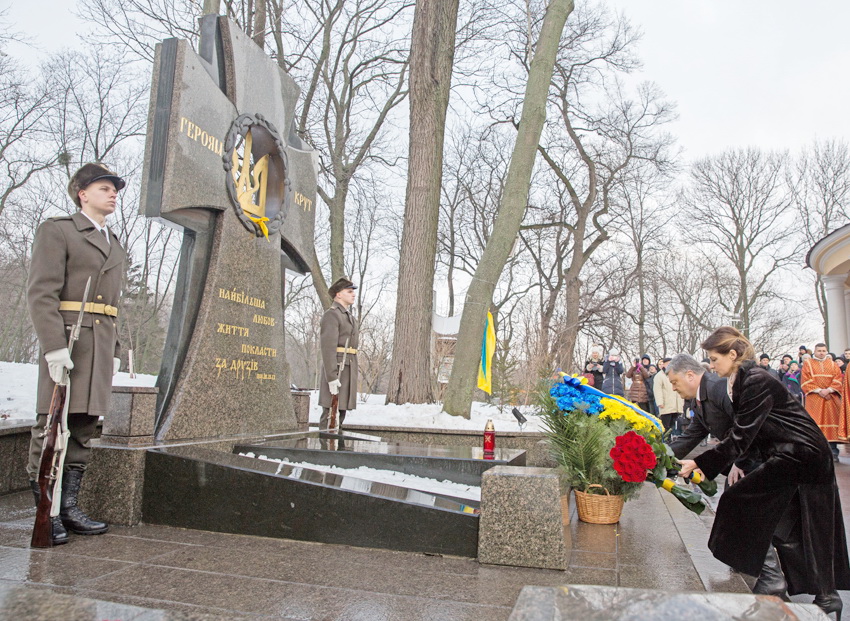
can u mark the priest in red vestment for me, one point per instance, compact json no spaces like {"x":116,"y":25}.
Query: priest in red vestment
{"x":822,"y":382}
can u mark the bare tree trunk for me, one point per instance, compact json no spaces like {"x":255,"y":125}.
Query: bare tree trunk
{"x":431,"y":60}
{"x":573,"y":308}
{"x":458,"y":399}
{"x":260,"y":23}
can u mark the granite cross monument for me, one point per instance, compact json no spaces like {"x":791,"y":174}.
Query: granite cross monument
{"x":218,"y":166}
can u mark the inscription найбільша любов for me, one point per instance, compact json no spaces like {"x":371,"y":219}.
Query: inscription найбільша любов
{"x":238,"y":367}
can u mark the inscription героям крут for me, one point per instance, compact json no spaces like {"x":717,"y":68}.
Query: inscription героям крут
{"x":202,"y":137}
{"x":299,"y":199}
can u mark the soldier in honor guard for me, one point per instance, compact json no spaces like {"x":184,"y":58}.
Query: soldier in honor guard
{"x":66,"y":252}
{"x":338,"y":340}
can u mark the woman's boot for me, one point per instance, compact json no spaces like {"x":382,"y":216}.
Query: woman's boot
{"x":771,"y":580}
{"x":830,"y":602}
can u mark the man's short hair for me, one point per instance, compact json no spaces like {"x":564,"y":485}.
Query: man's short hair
{"x":682,"y":363}
{"x":820,"y":345}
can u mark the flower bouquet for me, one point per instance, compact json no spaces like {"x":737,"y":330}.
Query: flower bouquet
{"x":606,"y":445}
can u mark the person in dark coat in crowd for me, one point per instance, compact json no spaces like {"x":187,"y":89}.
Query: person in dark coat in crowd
{"x":594,"y":365}
{"x":612,"y":372}
{"x":764,"y":363}
{"x":670,"y":404}
{"x":791,"y":379}
{"x":707,"y":395}
{"x":650,"y":387}
{"x":783,"y":365}
{"x":639,"y":373}
{"x":792,"y":499}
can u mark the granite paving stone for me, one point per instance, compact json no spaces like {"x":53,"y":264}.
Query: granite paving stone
{"x":599,"y":560}
{"x":44,"y":567}
{"x":337,"y":573}
{"x":590,"y":575}
{"x":16,"y":534}
{"x":116,"y":548}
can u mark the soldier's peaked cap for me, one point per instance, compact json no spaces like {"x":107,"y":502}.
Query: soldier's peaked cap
{"x":88,"y":174}
{"x":340,"y":285}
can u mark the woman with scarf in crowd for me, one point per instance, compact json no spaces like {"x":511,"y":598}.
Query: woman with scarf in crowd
{"x":790,"y":501}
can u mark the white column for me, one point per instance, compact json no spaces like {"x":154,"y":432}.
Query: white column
{"x":836,"y":312}
{"x":846,"y":316}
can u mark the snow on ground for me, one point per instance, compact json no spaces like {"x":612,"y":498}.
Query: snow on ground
{"x":18,"y":387}
{"x":18,"y":384}
{"x":423,"y":484}
{"x":372,"y":411}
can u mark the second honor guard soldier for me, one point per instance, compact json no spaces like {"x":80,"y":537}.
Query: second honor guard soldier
{"x":67,"y":252}
{"x":338,"y":342}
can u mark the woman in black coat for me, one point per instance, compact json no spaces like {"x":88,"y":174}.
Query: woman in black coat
{"x":791,"y":501}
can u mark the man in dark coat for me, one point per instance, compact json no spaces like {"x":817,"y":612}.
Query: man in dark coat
{"x":66,"y":252}
{"x":338,"y":341}
{"x":712,"y":409}
{"x":713,"y":414}
{"x":764,"y":363}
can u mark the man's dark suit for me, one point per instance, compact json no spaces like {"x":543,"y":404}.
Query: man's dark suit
{"x":712,"y":414}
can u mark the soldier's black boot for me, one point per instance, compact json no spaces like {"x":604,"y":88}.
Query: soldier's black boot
{"x":60,"y":535}
{"x":72,"y":516}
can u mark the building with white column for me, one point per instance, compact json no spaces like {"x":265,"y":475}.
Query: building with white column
{"x":830,"y":258}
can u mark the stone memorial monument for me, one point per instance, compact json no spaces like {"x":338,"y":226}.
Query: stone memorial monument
{"x":224,"y":164}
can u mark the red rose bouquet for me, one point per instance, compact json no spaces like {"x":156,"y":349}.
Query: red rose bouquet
{"x":632,"y":456}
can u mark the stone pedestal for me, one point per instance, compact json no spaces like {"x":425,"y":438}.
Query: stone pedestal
{"x":131,"y":420}
{"x":112,"y":487}
{"x":521,"y":519}
{"x":14,"y":452}
{"x":301,"y":404}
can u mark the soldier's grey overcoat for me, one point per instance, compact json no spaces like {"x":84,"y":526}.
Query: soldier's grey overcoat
{"x":67,"y":250}
{"x":338,"y":324}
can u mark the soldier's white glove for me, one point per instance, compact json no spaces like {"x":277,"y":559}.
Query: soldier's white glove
{"x":57,"y":361}
{"x":116,"y":364}
{"x":334,"y":386}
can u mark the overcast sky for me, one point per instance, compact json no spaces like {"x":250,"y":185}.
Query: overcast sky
{"x":772,"y":74}
{"x":748,"y":72}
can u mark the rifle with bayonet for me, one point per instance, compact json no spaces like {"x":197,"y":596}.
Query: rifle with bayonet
{"x":332,"y":424}
{"x":55,"y":436}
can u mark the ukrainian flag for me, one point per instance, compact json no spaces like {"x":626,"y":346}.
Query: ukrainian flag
{"x":488,"y":347}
